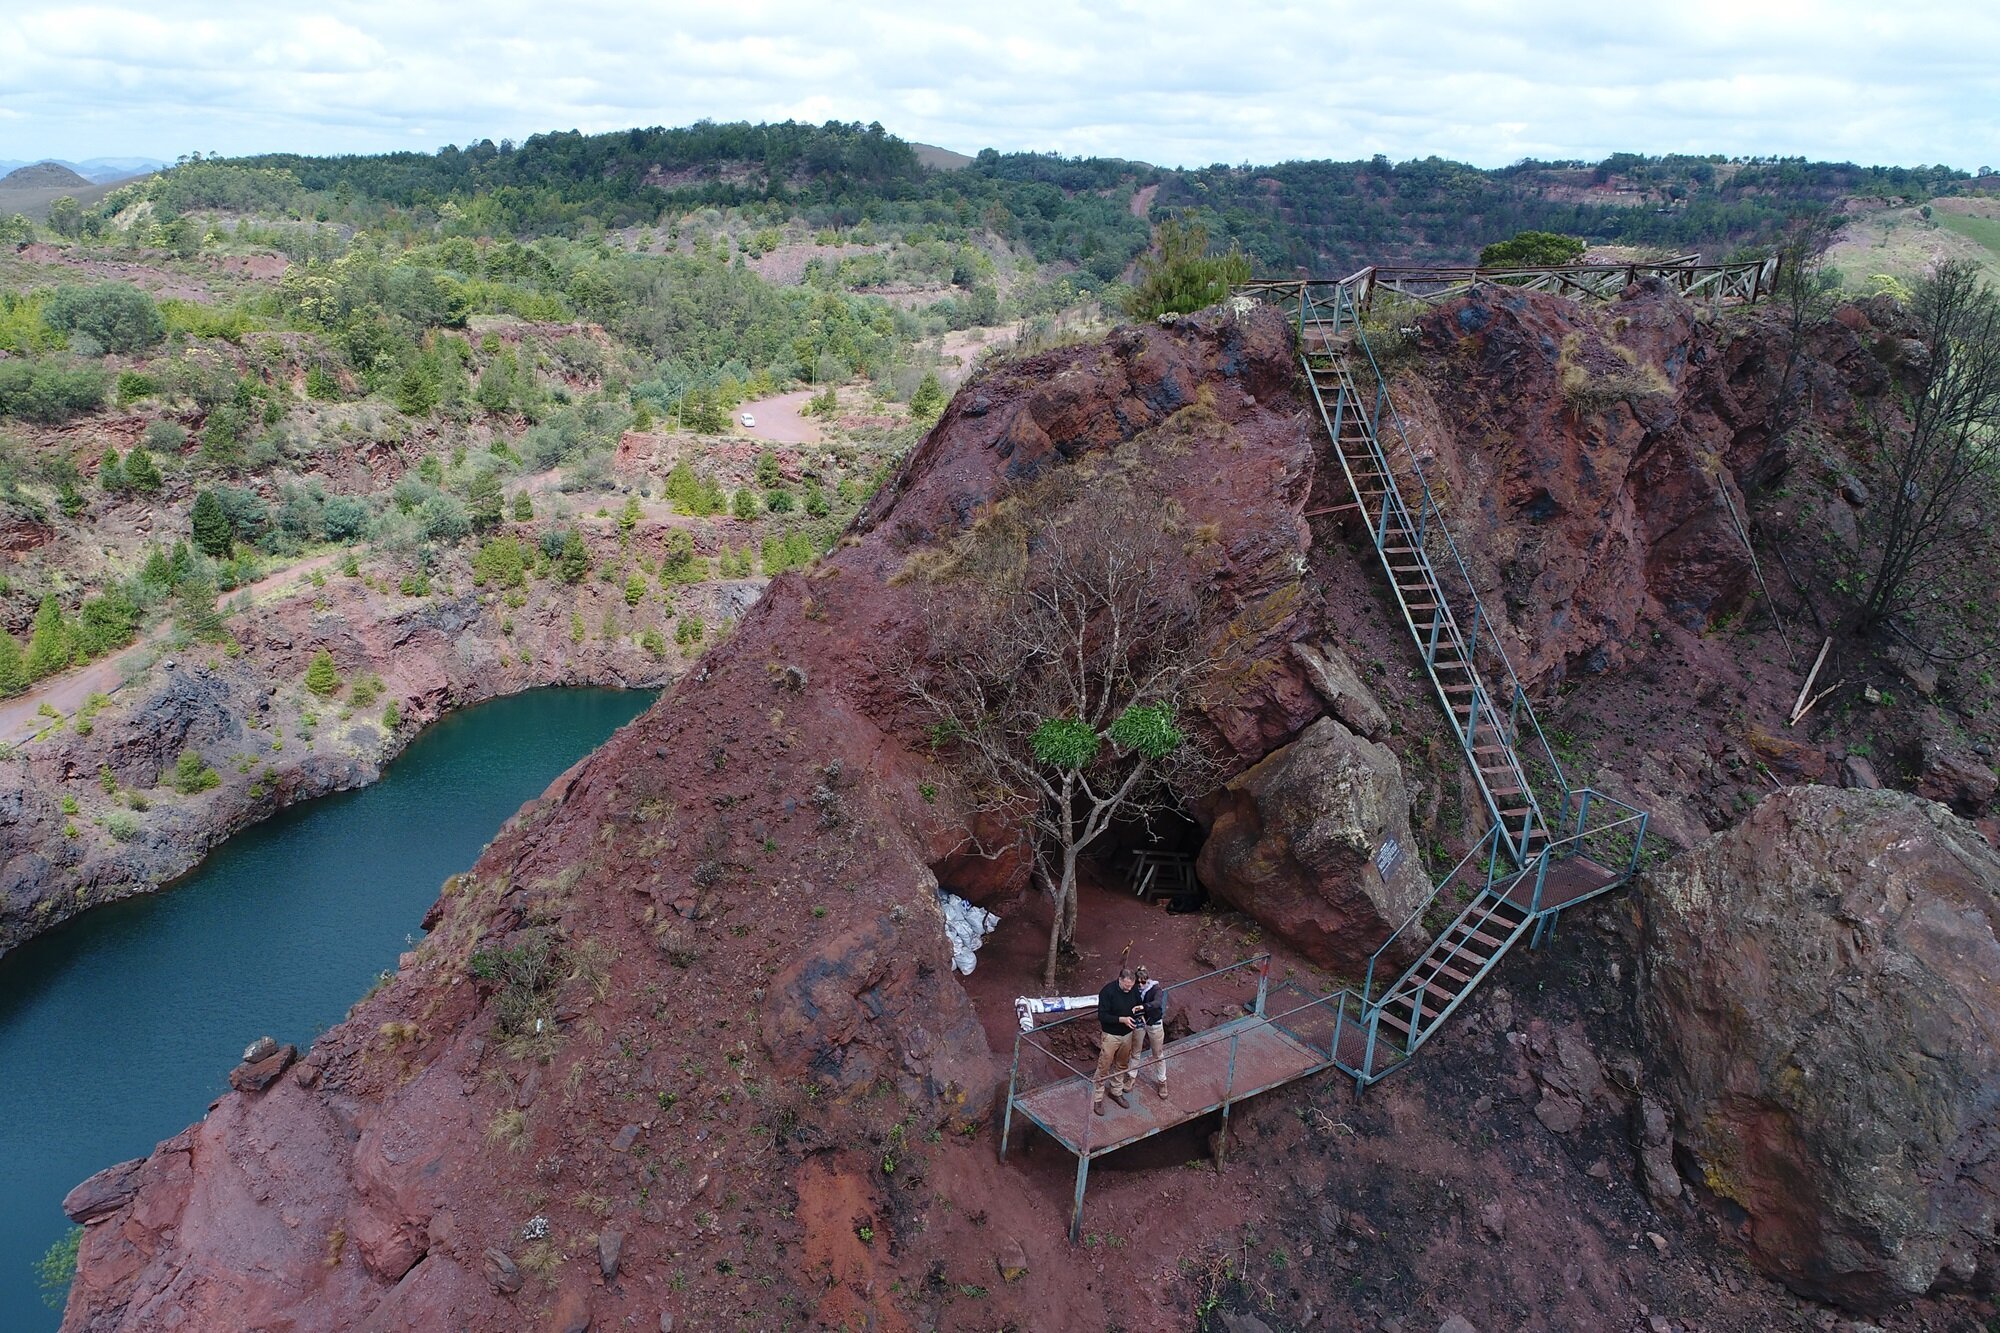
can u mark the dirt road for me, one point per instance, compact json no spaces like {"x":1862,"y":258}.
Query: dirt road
{"x":781,"y":420}
{"x":22,"y":717}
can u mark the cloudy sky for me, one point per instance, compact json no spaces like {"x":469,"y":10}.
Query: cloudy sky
{"x":1170,"y":82}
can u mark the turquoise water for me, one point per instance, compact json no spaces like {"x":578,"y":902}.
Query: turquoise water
{"x":118,"y":1030}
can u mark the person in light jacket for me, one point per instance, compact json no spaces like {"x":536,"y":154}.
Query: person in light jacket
{"x":1152,"y":1031}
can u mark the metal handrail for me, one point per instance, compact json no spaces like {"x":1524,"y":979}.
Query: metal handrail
{"x":1255,"y":960}
{"x":1491,"y":836}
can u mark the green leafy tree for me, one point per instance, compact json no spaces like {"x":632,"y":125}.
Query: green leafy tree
{"x":322,"y":385}
{"x":66,"y":217}
{"x":574,"y":561}
{"x":1532,"y":249}
{"x":52,"y":645}
{"x":779,"y":501}
{"x":212,"y":531}
{"x":484,"y":501}
{"x":141,"y":472}
{"x":1179,"y":275}
{"x":322,"y":677}
{"x":56,"y":1269}
{"x":117,"y":316}
{"x":928,"y":401}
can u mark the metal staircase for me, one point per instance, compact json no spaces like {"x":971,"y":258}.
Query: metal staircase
{"x":1543,"y":851}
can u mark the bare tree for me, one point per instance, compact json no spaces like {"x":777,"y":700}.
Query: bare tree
{"x":1068,"y":636}
{"x":1808,"y":289}
{"x":1943,"y":474}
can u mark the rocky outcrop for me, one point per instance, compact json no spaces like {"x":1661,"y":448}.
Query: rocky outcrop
{"x":1594,"y":459}
{"x":1819,"y":983}
{"x":1294,"y":841}
{"x":711,"y":956}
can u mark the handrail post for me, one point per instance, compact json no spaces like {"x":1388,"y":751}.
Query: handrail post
{"x":1083,"y":1158}
{"x":1263,"y":983}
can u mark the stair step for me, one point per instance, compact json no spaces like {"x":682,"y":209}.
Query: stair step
{"x":1469,"y":932}
{"x":1461,"y":978}
{"x":1466,"y":688}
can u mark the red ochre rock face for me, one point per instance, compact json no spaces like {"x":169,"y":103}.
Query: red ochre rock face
{"x":749,"y":962}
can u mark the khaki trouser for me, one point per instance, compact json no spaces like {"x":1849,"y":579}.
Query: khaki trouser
{"x":1154,"y":1035}
{"x":1114,"y":1064}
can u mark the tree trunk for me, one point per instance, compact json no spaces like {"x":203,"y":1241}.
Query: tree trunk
{"x":1055,"y":935}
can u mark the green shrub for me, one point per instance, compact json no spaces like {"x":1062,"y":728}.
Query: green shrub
{"x":48,"y":391}
{"x":744,"y":506}
{"x":1179,"y":274}
{"x":635,"y":589}
{"x":134,"y":385}
{"x":191,"y":775}
{"x":117,"y":316}
{"x":322,"y":677}
{"x":55,"y":1270}
{"x":321,"y":385}
{"x":653,"y":642}
{"x":688,"y":629}
{"x":140,"y":472}
{"x":122,"y":825}
{"x":1532,"y":249}
{"x":502,"y":562}
{"x":524,"y":508}
{"x":417,"y":584}
{"x":392,"y":715}
{"x":13,"y":666}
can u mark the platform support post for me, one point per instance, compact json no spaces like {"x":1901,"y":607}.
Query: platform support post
{"x":1076,"y":1210}
{"x":1007,"y":1116}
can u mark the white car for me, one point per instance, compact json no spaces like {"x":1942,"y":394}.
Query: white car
{"x":749,"y":420}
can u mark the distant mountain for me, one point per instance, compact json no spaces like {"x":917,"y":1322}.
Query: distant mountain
{"x":103,"y":169}
{"x":93,"y":170}
{"x":44,"y":176}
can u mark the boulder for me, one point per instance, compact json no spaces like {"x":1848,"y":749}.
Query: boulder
{"x":1334,"y":677}
{"x":1819,"y":984}
{"x":1965,"y":782}
{"x":257,"y":1075}
{"x":1294,"y":841}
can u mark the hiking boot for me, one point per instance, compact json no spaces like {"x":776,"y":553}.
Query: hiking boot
{"x":1120,"y":1098}
{"x":1097,"y":1108}
{"x":1162,"y":1090}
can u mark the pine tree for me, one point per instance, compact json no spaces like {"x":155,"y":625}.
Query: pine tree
{"x":524,"y":508}
{"x":928,"y":400}
{"x":13,"y":666}
{"x":111,"y":472}
{"x":574,"y":562}
{"x":745,"y":506}
{"x":211,"y":525}
{"x":322,"y":677}
{"x":683,"y":490}
{"x":141,"y":472}
{"x":483,"y":499}
{"x":628,"y":518}
{"x":51,"y":647}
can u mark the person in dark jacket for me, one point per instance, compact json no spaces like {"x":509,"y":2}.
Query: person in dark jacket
{"x":1119,"y":1020}
{"x":1152,"y":1029}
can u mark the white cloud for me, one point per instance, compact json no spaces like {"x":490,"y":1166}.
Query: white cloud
{"x":1173,"y":81}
